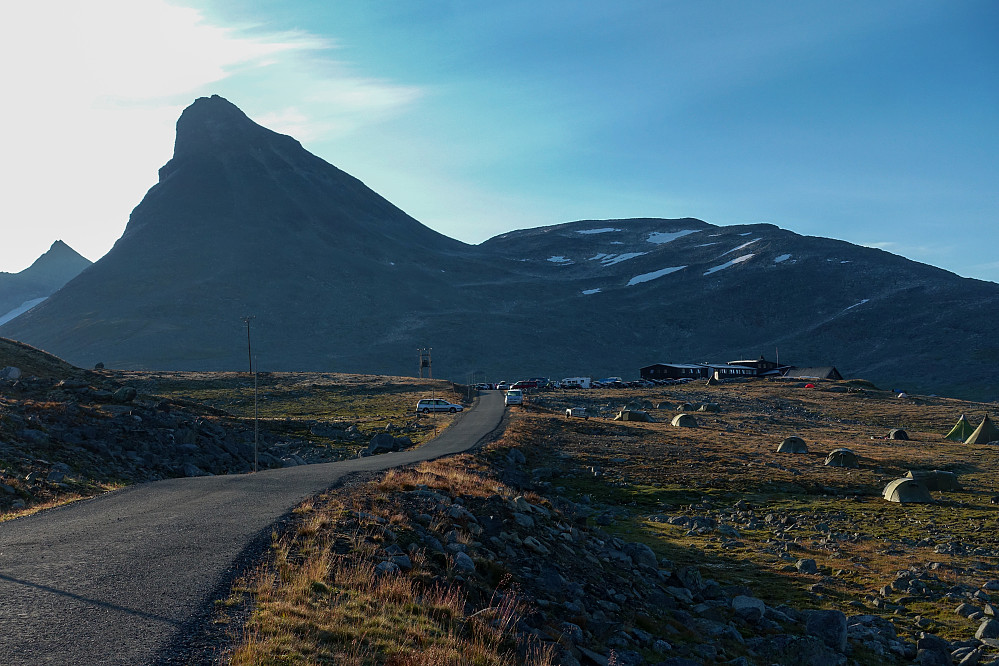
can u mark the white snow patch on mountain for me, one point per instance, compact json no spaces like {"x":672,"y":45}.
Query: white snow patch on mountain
{"x":559,"y":259}
{"x":600,"y":255}
{"x":706,"y":244}
{"x":746,"y":234}
{"x":783,"y":257}
{"x":744,"y":245}
{"x":660,"y":237}
{"x":866,"y":300}
{"x":612,"y":259}
{"x":617,"y":242}
{"x":737,"y":260}
{"x":645,"y":277}
{"x":604,"y":230}
{"x":21,"y":309}
{"x":587,"y":292}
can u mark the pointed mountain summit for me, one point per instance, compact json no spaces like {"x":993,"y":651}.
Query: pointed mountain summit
{"x":245,"y":221}
{"x":49,"y":272}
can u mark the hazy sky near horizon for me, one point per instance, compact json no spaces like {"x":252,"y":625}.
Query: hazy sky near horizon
{"x":875,"y":123}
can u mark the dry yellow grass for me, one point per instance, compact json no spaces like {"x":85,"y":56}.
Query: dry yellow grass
{"x":319,"y":599}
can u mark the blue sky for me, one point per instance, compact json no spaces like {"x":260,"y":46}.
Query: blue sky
{"x":875,"y":123}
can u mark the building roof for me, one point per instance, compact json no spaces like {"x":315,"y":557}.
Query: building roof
{"x":818,"y":372}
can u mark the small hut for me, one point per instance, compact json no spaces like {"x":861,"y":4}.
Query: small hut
{"x":793,"y":444}
{"x":906,"y":490}
{"x":898,"y":433}
{"x":684,"y":421}
{"x":935,"y":480}
{"x":842,"y":458}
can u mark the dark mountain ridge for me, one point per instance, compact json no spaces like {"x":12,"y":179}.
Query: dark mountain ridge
{"x":244,"y":221}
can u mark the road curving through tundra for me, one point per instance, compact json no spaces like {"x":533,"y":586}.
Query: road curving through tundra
{"x":121,"y":578}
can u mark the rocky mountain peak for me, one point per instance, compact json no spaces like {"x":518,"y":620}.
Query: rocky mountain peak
{"x":214,"y":125}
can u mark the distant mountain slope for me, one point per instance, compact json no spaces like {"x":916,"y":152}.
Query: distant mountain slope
{"x":244,"y":221}
{"x":49,"y":272}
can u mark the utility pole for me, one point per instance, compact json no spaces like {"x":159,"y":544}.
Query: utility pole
{"x":256,"y":423}
{"x":256,"y":426}
{"x":249,"y":355}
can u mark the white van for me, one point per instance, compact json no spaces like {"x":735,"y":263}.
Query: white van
{"x":514,"y":397}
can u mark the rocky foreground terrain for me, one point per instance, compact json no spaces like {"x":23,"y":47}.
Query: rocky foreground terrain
{"x":595,"y":541}
{"x":638,"y":543}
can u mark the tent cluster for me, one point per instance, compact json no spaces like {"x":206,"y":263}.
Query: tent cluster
{"x":962,"y":431}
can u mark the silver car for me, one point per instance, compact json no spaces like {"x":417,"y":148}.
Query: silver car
{"x":428,"y":405}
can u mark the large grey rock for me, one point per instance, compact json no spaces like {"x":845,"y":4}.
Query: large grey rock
{"x":382,"y":443}
{"x":749,"y":608}
{"x":829,"y":626}
{"x":124,"y":394}
{"x":641,"y":554}
{"x":807,"y":566}
{"x":988,"y":629}
{"x":463,"y":563}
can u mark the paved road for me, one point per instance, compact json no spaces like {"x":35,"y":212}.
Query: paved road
{"x":118,"y":579}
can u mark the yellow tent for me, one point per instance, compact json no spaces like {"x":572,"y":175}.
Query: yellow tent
{"x":985,"y":432}
{"x":961,"y":430}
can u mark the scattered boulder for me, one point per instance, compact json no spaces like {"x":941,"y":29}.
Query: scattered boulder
{"x":124,"y":394}
{"x":10,"y":372}
{"x":988,"y":629}
{"x":829,"y":626}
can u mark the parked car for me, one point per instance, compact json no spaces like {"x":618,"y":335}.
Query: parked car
{"x":525,"y":384}
{"x":484,"y":386}
{"x":503,"y":386}
{"x":514,"y":397}
{"x":427,"y":405}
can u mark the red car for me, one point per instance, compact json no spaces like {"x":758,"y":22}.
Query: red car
{"x":526,"y":384}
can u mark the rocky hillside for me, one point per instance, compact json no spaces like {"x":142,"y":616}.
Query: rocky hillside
{"x":21,"y":291}
{"x":245,"y":221}
{"x":67,"y":433}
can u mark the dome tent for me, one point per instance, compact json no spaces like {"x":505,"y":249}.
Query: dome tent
{"x":985,"y":432}
{"x":684,"y":421}
{"x":936,"y":479}
{"x":961,"y":431}
{"x":793,"y":444}
{"x":906,"y":490}
{"x":898,"y":433}
{"x":634,"y":415}
{"x":842,"y":458}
